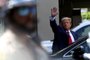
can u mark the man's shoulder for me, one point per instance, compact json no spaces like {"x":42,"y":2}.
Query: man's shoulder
{"x":7,"y":36}
{"x":74,"y":34}
{"x":72,"y":31}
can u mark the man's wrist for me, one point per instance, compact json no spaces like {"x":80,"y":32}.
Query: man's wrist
{"x":52,"y":18}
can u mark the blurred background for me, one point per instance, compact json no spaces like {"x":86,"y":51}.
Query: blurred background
{"x":79,"y":10}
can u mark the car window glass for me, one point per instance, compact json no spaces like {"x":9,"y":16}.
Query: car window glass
{"x":86,"y":30}
{"x":83,"y":46}
{"x":83,"y":31}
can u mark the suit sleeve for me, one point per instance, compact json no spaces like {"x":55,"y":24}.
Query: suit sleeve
{"x":54,"y":26}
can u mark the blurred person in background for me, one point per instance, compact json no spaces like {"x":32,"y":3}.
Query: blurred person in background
{"x":63,"y":36}
{"x":20,"y":40}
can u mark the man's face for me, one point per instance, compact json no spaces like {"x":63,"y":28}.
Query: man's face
{"x":66,"y":24}
{"x":25,"y":17}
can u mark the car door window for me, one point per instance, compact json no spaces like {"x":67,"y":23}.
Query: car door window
{"x":83,"y":31}
{"x":84,"y":46}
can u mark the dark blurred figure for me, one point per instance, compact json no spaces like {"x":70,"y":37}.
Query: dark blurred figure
{"x":78,"y":54}
{"x":81,"y":53}
{"x":20,"y":40}
{"x":63,"y":36}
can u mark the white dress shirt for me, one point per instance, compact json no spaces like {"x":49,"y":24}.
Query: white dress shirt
{"x":72,"y":38}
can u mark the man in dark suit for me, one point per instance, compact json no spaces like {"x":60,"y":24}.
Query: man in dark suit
{"x":63,"y":36}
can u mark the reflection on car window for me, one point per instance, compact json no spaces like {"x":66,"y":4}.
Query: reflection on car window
{"x":83,"y":46}
{"x":83,"y":31}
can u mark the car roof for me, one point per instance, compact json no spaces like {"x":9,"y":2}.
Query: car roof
{"x":82,"y":24}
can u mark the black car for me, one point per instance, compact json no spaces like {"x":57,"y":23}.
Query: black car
{"x":73,"y":52}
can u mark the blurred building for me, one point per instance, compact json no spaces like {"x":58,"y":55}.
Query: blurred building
{"x":71,"y":8}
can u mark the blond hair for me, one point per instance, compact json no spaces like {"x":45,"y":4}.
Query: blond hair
{"x":65,"y":18}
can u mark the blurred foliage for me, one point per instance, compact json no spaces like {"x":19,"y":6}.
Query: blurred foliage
{"x":85,"y":15}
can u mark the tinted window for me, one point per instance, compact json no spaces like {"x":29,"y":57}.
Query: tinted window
{"x":83,"y":31}
{"x":84,"y":47}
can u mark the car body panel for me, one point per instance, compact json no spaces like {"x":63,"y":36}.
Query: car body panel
{"x":82,"y":24}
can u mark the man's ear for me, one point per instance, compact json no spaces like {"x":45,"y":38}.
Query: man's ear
{"x":71,"y":23}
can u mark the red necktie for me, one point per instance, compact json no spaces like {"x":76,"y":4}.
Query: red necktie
{"x":69,"y":40}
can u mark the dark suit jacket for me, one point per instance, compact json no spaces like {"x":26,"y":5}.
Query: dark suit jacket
{"x":60,"y":37}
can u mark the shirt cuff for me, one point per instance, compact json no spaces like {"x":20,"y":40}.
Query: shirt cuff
{"x":52,"y":18}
